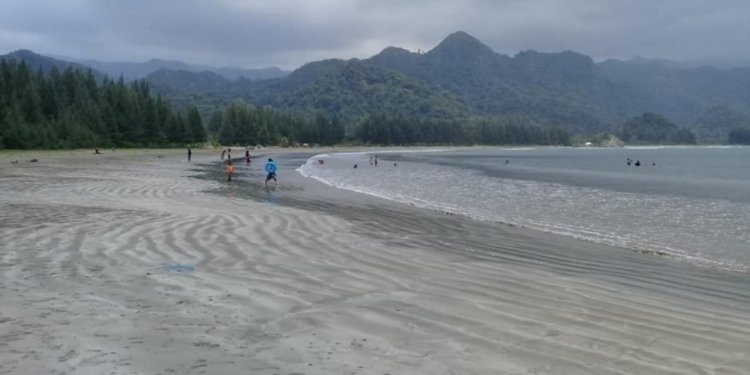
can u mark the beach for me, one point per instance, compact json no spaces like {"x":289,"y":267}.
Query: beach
{"x":138,"y":262}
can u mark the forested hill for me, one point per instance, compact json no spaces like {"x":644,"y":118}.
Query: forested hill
{"x":139,"y":70}
{"x":461,"y":75}
{"x":549,"y":88}
{"x":349,"y":90}
{"x":352,"y":89}
{"x":35,"y":61}
{"x":462,"y":79}
{"x":568,"y":88}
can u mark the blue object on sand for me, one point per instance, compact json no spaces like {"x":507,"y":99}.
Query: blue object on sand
{"x":177,"y":267}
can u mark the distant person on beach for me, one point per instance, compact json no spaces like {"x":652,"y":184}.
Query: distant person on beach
{"x":190,"y":153}
{"x":229,"y":169}
{"x":394,"y":164}
{"x":376,"y":160}
{"x":271,"y":168}
{"x":247,"y":156}
{"x":96,"y":151}
{"x":370,"y":160}
{"x":223,"y":152}
{"x":638,"y":163}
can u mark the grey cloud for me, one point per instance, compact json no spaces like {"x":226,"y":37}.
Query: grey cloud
{"x":290,"y":33}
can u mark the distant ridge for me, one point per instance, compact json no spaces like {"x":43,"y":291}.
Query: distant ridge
{"x":167,"y":80}
{"x":461,"y":78}
{"x":131,"y":71}
{"x":36,"y":61}
{"x":140,"y":70}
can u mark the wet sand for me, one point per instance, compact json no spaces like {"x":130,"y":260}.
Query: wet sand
{"x":310,"y":280}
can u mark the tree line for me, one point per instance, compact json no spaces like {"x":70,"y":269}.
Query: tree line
{"x":512,"y":130}
{"x":248,"y":125}
{"x":71,"y":109}
{"x":651,"y":128}
{"x":242,"y":124}
{"x":739,"y":136}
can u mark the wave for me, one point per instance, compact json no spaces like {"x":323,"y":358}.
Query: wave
{"x":631,"y":241}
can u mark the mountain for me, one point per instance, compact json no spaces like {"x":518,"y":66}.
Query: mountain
{"x":548,"y":88}
{"x":352,"y":89}
{"x":233,"y":74}
{"x":134,"y":70}
{"x":683,"y":94}
{"x":462,"y":78}
{"x":568,"y":88}
{"x":715,"y":124}
{"x":166,"y":80}
{"x":347,"y":89}
{"x":139,"y":70}
{"x":36,"y":61}
{"x":464,"y":48}
{"x":467,"y":78}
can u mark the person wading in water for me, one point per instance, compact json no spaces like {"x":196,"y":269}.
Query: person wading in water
{"x":229,"y":169}
{"x":271,"y":167}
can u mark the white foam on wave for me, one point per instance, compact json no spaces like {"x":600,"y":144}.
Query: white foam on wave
{"x":629,"y":238}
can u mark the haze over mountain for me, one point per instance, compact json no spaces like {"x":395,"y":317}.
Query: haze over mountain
{"x":288,"y":34}
{"x":565,"y":89}
{"x":139,"y":70}
{"x":36,"y":61}
{"x":461,"y":77}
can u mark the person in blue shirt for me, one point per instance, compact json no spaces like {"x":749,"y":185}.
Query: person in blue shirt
{"x":271,"y":167}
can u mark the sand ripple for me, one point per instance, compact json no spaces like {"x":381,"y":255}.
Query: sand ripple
{"x":369,"y":290}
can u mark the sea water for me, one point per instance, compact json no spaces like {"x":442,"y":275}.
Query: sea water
{"x":690,"y":203}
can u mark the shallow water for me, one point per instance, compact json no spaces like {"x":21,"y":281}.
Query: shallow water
{"x":691,"y":203}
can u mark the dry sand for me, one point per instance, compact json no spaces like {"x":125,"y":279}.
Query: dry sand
{"x":307,"y":280}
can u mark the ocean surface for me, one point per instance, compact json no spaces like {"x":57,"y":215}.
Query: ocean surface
{"x":688,"y":203}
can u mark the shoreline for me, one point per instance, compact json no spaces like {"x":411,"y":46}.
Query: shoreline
{"x":676,"y":256}
{"x":300,"y":192}
{"x":309,"y":279}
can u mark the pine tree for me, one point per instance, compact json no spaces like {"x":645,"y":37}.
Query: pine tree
{"x":195,"y":123}
{"x":214,"y":124}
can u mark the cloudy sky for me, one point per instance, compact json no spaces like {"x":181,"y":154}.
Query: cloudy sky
{"x":288,"y":33}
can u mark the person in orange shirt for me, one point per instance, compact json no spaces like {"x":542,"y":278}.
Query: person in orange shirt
{"x":229,"y":169}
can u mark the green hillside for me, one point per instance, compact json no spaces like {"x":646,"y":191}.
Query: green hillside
{"x":461,"y":78}
{"x":465,"y":82}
